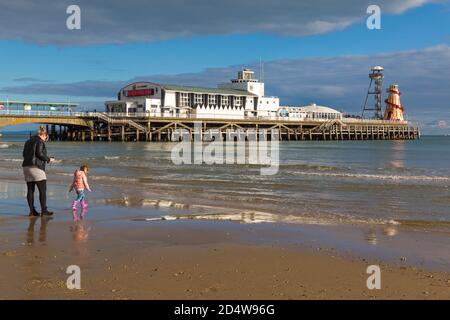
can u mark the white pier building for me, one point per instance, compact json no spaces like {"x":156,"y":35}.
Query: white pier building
{"x":243,"y":97}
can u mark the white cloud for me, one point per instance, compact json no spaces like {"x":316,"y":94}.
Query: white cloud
{"x":442,"y":124}
{"x":118,"y":21}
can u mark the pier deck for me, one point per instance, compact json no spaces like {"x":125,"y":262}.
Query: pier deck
{"x":95,"y":126}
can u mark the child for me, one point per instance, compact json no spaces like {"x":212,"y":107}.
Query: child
{"x":79,"y":184}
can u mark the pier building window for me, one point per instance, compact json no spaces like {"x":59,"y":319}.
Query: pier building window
{"x":198,"y":99}
{"x":237,"y":101}
{"x":184,"y":99}
{"x":212,"y":99}
{"x":224,"y":101}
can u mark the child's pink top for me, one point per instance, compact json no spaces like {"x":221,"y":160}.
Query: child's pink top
{"x":80,"y":180}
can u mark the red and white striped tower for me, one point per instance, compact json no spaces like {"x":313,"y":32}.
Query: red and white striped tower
{"x":394,"y":109}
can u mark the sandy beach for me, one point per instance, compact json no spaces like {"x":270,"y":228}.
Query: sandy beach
{"x":184,"y":261}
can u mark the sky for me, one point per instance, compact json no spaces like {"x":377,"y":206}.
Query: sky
{"x":313,"y":51}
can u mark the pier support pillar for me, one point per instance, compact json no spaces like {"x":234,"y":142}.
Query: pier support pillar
{"x":53,"y":132}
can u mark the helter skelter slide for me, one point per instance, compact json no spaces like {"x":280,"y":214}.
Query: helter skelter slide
{"x":394,"y":109}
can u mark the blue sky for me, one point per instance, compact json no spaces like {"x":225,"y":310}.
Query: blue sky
{"x":40,"y":56}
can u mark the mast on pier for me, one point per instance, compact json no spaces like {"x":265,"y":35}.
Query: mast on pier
{"x":376,"y":78}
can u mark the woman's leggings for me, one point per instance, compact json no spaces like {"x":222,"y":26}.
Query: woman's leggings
{"x":42,"y":187}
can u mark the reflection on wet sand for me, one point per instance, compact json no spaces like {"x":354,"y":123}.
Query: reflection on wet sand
{"x":80,"y":234}
{"x":10,"y":190}
{"x":389,"y":231}
{"x":371,"y":237}
{"x":80,"y":231}
{"x":243,"y":217}
{"x":42,"y":230}
{"x":249,"y":217}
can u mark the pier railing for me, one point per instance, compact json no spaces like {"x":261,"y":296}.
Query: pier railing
{"x":122,"y":120}
{"x":114,"y":116}
{"x":42,"y":113}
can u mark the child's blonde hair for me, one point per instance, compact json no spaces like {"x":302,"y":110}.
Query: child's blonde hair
{"x":84,"y":167}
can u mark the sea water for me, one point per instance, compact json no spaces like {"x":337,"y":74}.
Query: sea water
{"x":330,"y":182}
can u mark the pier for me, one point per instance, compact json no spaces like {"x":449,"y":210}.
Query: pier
{"x":237,"y":110}
{"x":101,"y":126}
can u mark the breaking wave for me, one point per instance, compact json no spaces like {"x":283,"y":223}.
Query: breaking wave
{"x":375,"y":176}
{"x":111,"y":157}
{"x":13,"y":160}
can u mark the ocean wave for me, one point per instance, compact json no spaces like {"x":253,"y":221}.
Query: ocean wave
{"x":375,"y":176}
{"x":64,"y":174}
{"x":123,"y":179}
{"x":96,"y":177}
{"x":111,"y":157}
{"x":425,"y":223}
{"x":10,"y":145}
{"x":13,"y":160}
{"x":304,"y":166}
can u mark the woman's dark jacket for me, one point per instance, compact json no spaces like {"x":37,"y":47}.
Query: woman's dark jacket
{"x":35,"y":153}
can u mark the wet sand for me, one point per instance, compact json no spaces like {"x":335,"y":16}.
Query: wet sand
{"x":187,"y":260}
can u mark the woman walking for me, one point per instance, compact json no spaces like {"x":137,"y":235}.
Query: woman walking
{"x":34,"y":160}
